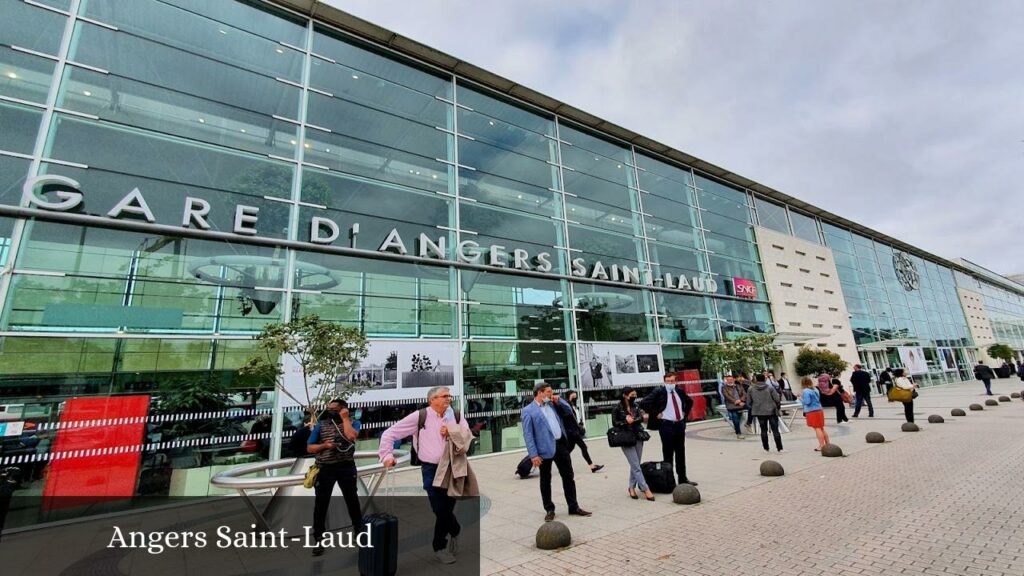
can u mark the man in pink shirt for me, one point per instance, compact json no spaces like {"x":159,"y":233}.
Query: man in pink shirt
{"x":429,"y":444}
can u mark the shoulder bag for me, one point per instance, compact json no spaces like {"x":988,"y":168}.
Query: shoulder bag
{"x":310,"y":478}
{"x":897,"y":394}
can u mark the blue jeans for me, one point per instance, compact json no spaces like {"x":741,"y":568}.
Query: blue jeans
{"x":734,"y":417}
{"x":633,"y":455}
{"x":443,"y":507}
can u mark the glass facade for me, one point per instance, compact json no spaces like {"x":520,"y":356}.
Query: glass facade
{"x":215,"y":145}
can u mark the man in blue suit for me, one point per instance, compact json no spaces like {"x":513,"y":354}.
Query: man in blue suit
{"x":547,"y":442}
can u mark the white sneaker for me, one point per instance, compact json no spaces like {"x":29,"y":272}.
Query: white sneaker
{"x":453,"y":545}
{"x":782,"y":451}
{"x":740,"y":437}
{"x":767,"y":451}
{"x":445,"y":557}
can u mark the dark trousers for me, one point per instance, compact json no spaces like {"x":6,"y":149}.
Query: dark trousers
{"x":879,"y":386}
{"x":578,"y":441}
{"x":837,"y":401}
{"x":443,"y":507}
{"x":564,"y":464}
{"x":673,"y":446}
{"x":343,"y":474}
{"x":988,"y":386}
{"x":771,"y":421}
{"x":734,"y":417}
{"x":864,"y":398}
{"x":908,"y":410}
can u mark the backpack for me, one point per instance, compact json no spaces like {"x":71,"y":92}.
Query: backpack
{"x":420,"y":425}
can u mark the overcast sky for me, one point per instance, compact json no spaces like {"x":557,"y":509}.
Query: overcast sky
{"x":905,"y":116}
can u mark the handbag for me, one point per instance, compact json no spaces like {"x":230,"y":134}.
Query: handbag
{"x":897,"y":394}
{"x":310,"y":478}
{"x":847,"y":398}
{"x":643,"y":436}
{"x":621,"y":438}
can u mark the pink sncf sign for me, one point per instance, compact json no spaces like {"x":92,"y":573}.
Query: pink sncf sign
{"x":744,"y":288}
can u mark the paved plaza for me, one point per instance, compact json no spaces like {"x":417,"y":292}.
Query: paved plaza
{"x":945,"y":500}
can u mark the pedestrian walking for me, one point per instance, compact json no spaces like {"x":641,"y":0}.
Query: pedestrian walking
{"x":333,"y":442}
{"x":885,"y":380}
{"x":546,"y":443}
{"x":861,"y":381}
{"x":986,"y":375}
{"x":735,"y":403}
{"x":905,"y":383}
{"x":578,"y":432}
{"x":627,"y":417}
{"x":1020,"y":369}
{"x":667,"y":407}
{"x":810,"y":397}
{"x":429,"y":428}
{"x":764,"y":405}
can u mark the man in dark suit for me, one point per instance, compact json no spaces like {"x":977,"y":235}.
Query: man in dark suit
{"x":668,"y":407}
{"x":861,"y":381}
{"x":985,"y":374}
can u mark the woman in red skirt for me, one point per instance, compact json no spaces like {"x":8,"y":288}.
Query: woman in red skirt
{"x":811,"y":399}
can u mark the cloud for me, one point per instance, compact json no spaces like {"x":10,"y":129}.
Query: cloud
{"x":903,"y":116}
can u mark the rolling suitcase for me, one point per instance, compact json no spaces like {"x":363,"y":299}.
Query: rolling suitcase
{"x":659,"y":476}
{"x":524,"y":468}
{"x":382,"y":559}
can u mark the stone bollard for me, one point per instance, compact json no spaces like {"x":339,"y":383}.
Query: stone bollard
{"x":1015,"y":395}
{"x":936,"y":419}
{"x":1004,"y":398}
{"x":772,"y":468}
{"x":991,"y":402}
{"x":831,"y":451}
{"x":975,"y":407}
{"x":686,"y":494}
{"x":958,"y":412}
{"x":910,"y":427}
{"x":553,"y":535}
{"x":874,"y":438}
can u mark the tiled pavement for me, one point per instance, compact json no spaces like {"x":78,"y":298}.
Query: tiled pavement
{"x":946,"y":500}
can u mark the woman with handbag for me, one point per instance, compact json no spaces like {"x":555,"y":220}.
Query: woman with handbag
{"x":578,"y":439}
{"x":628,"y":424}
{"x":831,"y":390}
{"x":906,"y":393}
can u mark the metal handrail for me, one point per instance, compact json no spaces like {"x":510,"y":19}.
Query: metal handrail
{"x":231,"y":479}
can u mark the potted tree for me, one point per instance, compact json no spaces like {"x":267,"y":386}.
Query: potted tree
{"x":811,"y":362}
{"x":1004,"y":353}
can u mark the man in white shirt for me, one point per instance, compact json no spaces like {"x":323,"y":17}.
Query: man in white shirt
{"x":668,"y":407}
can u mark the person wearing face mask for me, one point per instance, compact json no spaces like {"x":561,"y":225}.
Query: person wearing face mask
{"x":547,"y":443}
{"x":667,"y":407}
{"x":332,"y":441}
{"x":626,"y":416}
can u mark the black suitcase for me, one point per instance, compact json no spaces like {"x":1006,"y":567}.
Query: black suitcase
{"x":382,"y":559}
{"x":524,"y":468}
{"x":659,"y":476}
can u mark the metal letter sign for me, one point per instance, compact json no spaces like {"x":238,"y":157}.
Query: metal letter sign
{"x":906,"y":272}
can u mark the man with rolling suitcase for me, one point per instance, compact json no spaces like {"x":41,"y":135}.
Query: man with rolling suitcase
{"x":668,"y":407}
{"x":429,"y":428}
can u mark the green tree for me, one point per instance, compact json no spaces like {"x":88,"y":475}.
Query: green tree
{"x":191,"y":394}
{"x":746,"y":354}
{"x":810,"y":362}
{"x":1001,"y":352}
{"x":326,"y":353}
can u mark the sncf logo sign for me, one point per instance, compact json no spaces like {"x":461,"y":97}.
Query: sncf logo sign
{"x":744,"y":288}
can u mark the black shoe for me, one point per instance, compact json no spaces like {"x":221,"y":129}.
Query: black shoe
{"x":580,"y":512}
{"x":549,"y":516}
{"x":687,"y":482}
{"x":596,"y":468}
{"x":318,"y":551}
{"x":632,"y":494}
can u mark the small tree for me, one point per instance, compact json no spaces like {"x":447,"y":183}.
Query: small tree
{"x":810,"y":362}
{"x":1001,"y":352}
{"x":746,"y":354}
{"x":327,"y":354}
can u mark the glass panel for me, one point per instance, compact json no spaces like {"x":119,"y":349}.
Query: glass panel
{"x":507,"y":136}
{"x":771,"y":215}
{"x":28,"y":26}
{"x":597,"y":189}
{"x":380,"y":297}
{"x":368,"y":62}
{"x":517,"y":307}
{"x":722,"y":206}
{"x":615,"y":171}
{"x":361,"y":158}
{"x":804,"y":227}
{"x":19,"y":126}
{"x":665,"y":180}
{"x":499,"y":378}
{"x":739,"y":318}
{"x":24,"y":76}
{"x":378,"y":127}
{"x":377,"y":208}
{"x":666,"y":259}
{"x":358,"y":87}
{"x":497,"y":191}
{"x":728,"y":246}
{"x":611,"y":248}
{"x":506,"y":112}
{"x":724,"y":192}
{"x":606,"y":313}
{"x":684,"y":318}
{"x":601,"y":215}
{"x":132,"y":57}
{"x":726,"y":226}
{"x":172,"y":26}
{"x":496,"y":227}
{"x":12,"y":176}
{"x":257,"y":19}
{"x":729,"y":268}
{"x":486,"y":158}
{"x":139,"y":283}
{"x":617,"y":153}
{"x":145,"y":106}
